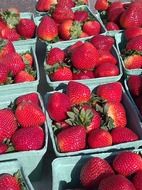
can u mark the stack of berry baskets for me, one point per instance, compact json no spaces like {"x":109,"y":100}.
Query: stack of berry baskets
{"x":18,"y":27}
{"x":117,"y":170}
{"x":24,"y":133}
{"x":19,"y":70}
{"x":12,"y":175}
{"x":109,"y":120}
{"x":89,"y":61}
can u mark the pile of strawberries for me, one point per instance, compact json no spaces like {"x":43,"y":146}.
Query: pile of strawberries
{"x":83,"y":60}
{"x":82,"y":119}
{"x":15,"y":67}
{"x":119,"y":15}
{"x":14,"y":28}
{"x":21,"y":125}
{"x":122,"y":172}
{"x":66,"y":24}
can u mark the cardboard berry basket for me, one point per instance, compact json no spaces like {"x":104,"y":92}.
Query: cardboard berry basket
{"x":90,"y":82}
{"x":28,"y":159}
{"x":14,"y":166}
{"x":16,"y":88}
{"x":66,"y":171}
{"x":133,"y":120}
{"x":120,"y":44}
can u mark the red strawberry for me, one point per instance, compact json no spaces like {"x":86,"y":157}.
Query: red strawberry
{"x":32,"y":97}
{"x":135,"y":44}
{"x":103,"y":42}
{"x":115,"y":5}
{"x":72,"y":139}
{"x":69,"y":29}
{"x":58,"y":105}
{"x":66,"y":4}
{"x":3,"y":148}
{"x":61,"y":74}
{"x":83,"y":75}
{"x":101,"y":5}
{"x":26,"y":28}
{"x":106,"y":70}
{"x":55,"y":55}
{"x":127,"y":163}
{"x":81,"y":16}
{"x":23,"y":76}
{"x":99,"y":138}
{"x":8,"y":124}
{"x":3,"y":73}
{"x":10,"y":34}
{"x":106,"y":57}
{"x":83,"y":35}
{"x":92,"y":27}
{"x":2,"y":24}
{"x":93,"y":171}
{"x":29,"y":114}
{"x":133,"y":61}
{"x":47,"y":29}
{"x":78,"y":93}
{"x":73,"y":47}
{"x":112,"y":26}
{"x":61,"y":125}
{"x":6,"y":47}
{"x":111,"y":92}
{"x":114,"y":182}
{"x":132,"y":16}
{"x":135,"y":85}
{"x":45,"y":5}
{"x":137,"y":180}
{"x":7,"y":181}
{"x":28,"y":58}
{"x":132,"y":32}
{"x":25,"y":139}
{"x":121,"y":135}
{"x":85,"y":57}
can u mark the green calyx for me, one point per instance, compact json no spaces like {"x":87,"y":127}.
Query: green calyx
{"x":49,"y":69}
{"x":30,"y":70}
{"x":3,"y":43}
{"x":20,"y":179}
{"x":75,"y":30}
{"x":97,"y":102}
{"x":127,"y":53}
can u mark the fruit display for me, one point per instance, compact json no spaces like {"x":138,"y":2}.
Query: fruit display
{"x":64,"y":24}
{"x":84,"y":121}
{"x":15,"y":26}
{"x":109,"y":171}
{"x":118,"y":15}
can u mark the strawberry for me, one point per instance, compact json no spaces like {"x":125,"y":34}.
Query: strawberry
{"x":132,"y":32}
{"x":111,"y":92}
{"x":25,"y":139}
{"x":14,"y":63}
{"x":61,"y":14}
{"x":69,"y":29}
{"x":132,"y":16}
{"x":101,"y":5}
{"x":85,"y":57}
{"x":73,"y":47}
{"x":83,"y":75}
{"x":72,"y":139}
{"x":28,"y":58}
{"x":45,"y":5}
{"x":61,"y":74}
{"x":106,"y":70}
{"x":29,"y":114}
{"x":115,"y":5}
{"x":93,"y":171}
{"x":83,"y":35}
{"x":127,"y":163}
{"x":137,"y":180}
{"x":3,"y":73}
{"x":58,"y":105}
{"x":103,"y":42}
{"x":112,"y":26}
{"x":66,"y":4}
{"x":114,"y":182}
{"x":32,"y":97}
{"x":6,"y":47}
{"x":106,"y":57}
{"x":2,"y":24}
{"x":3,"y":148}
{"x":81,"y":16}
{"x":9,"y":34}
{"x":78,"y":93}
{"x":121,"y":135}
{"x":23,"y":76}
{"x":135,"y":44}
{"x":60,"y":125}
{"x":135,"y":85}
{"x":55,"y":55}
{"x":47,"y":29}
{"x":92,"y":27}
{"x":26,"y":28}
{"x":133,"y":61}
{"x":99,"y":138}
{"x":7,"y":181}
{"x":8,"y":124}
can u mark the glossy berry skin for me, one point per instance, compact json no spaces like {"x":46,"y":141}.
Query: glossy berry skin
{"x":137,"y":180}
{"x":3,"y":73}
{"x":72,"y":139}
{"x":106,"y":57}
{"x":132,"y":32}
{"x":92,"y":28}
{"x":32,"y":97}
{"x":81,"y":16}
{"x":83,"y":75}
{"x":135,"y":85}
{"x":10,"y":34}
{"x":101,"y":5}
{"x":55,"y":55}
{"x":135,"y":44}
{"x":44,"y":5}
{"x":133,"y":62}
{"x":6,"y":47}
{"x":7,"y":181}
{"x":61,"y":74}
